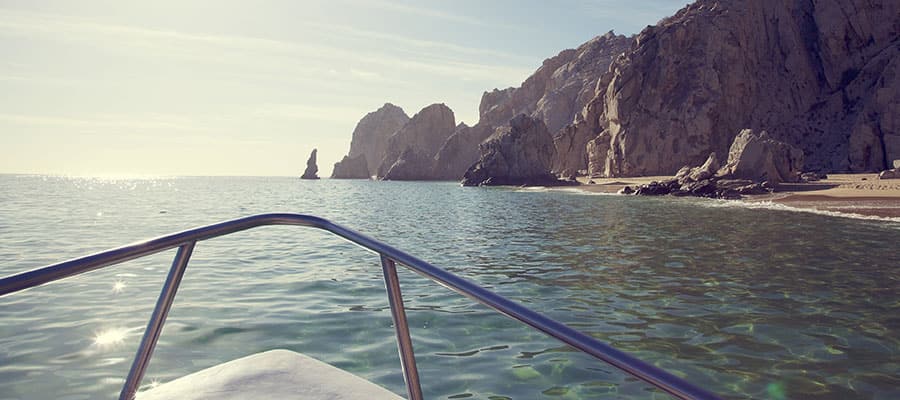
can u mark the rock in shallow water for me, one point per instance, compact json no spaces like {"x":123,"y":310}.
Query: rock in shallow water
{"x":519,"y":153}
{"x":311,"y":168}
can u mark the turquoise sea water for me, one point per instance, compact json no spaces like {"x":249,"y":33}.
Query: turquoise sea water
{"x":759,"y":303}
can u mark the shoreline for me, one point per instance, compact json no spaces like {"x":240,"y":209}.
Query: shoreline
{"x":856,"y":194}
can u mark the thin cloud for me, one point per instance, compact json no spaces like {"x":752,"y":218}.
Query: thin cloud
{"x":255,"y":54}
{"x":294,"y":111}
{"x":648,"y":12}
{"x":444,"y":47}
{"x":426,"y":12}
{"x":142,"y":122}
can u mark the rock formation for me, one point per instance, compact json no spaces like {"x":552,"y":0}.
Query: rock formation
{"x":520,"y":153}
{"x":758,"y":157}
{"x":351,"y":168}
{"x":555,"y":94}
{"x":370,"y":140}
{"x":420,"y":139}
{"x":413,"y":164}
{"x":459,"y":152}
{"x":756,"y":163}
{"x":822,"y":76}
{"x":311,"y":168}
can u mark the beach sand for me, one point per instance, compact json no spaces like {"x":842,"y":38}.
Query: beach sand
{"x":862,"y":194}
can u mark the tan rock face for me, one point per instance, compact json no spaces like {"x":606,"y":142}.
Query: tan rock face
{"x":457,"y":154}
{"x":556,"y":93}
{"x":424,"y":135}
{"x":370,"y":139}
{"x":520,"y":153}
{"x":821,"y":76}
{"x":411,"y":165}
{"x":351,"y":168}
{"x":758,"y":157}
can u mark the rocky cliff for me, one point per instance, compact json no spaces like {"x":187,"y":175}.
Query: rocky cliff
{"x":351,"y":168}
{"x":410,"y":151}
{"x":821,"y":75}
{"x":370,"y":139}
{"x":554,"y":94}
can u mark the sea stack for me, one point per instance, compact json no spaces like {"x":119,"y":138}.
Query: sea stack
{"x":369,"y":143}
{"x":410,"y":152}
{"x":311,"y":168}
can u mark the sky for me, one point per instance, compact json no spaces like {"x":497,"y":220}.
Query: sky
{"x":249,"y":88}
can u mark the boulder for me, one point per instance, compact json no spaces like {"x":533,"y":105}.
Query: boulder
{"x":705,"y":171}
{"x":733,"y":183}
{"x":519,"y":153}
{"x":311,"y":168}
{"x":890,"y":174}
{"x":758,"y":157}
{"x":812,"y":176}
{"x":658,"y":188}
{"x":703,"y":181}
{"x":701,"y":188}
{"x":351,"y":168}
{"x":753,"y":188}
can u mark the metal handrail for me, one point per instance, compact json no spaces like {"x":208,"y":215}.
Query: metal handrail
{"x":186,"y":240}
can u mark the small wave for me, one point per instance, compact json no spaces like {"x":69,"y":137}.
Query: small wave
{"x":532,"y":189}
{"x":770,"y":205}
{"x":583,"y":192}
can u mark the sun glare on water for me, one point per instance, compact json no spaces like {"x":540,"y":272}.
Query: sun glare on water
{"x":110,"y":337}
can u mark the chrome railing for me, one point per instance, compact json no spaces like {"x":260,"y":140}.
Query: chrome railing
{"x":186,"y":240}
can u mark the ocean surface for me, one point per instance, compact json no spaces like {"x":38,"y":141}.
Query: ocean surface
{"x":760,"y":303}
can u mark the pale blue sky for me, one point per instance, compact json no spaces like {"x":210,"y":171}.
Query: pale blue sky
{"x":178,"y":87}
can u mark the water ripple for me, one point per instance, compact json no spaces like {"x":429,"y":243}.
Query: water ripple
{"x":746,"y":302}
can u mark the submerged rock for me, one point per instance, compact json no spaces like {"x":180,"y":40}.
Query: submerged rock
{"x":311,"y":168}
{"x":519,"y":153}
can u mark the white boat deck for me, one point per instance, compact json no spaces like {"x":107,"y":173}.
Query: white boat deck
{"x":275,"y":374}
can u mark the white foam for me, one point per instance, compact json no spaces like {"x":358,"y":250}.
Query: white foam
{"x":769,"y":205}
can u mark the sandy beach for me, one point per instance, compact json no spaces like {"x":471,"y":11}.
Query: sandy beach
{"x":862,"y":194}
